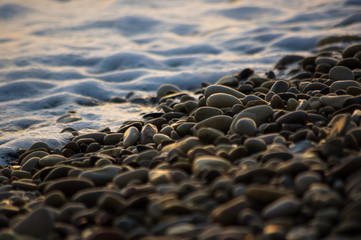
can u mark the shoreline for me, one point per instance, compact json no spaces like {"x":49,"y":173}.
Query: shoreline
{"x":248,"y":157}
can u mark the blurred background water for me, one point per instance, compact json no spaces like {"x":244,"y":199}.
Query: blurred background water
{"x":59,"y":56}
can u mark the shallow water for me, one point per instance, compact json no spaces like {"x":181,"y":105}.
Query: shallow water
{"x":61,"y":56}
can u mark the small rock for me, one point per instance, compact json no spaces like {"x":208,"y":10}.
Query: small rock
{"x":341,"y":73}
{"x":282,"y":207}
{"x":166,"y":89}
{"x":130,"y":137}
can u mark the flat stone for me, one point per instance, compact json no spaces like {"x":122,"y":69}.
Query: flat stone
{"x":68,"y":186}
{"x":113,"y":138}
{"x":101,"y":176}
{"x":140,"y":175}
{"x":97,"y":136}
{"x":222,"y":100}
{"x":208,"y":135}
{"x":260,"y":114}
{"x":212,"y":89}
{"x":292,"y":117}
{"x":130,"y":137}
{"x":227,"y":213}
{"x":334,"y":101}
{"x":39,"y":224}
{"x":264,"y":193}
{"x":282,"y":207}
{"x":230,"y":80}
{"x":220,"y":122}
{"x":341,"y":73}
{"x":51,"y":160}
{"x":210,"y":162}
{"x":203,"y":113}
{"x":344,"y":84}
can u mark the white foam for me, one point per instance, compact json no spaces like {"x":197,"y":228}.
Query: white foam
{"x":76,"y":55}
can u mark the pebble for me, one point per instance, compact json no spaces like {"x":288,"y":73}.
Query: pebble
{"x":130,"y":137}
{"x":147,"y":133}
{"x":244,"y":126}
{"x":255,"y":145}
{"x":203,"y":113}
{"x":335,"y":101}
{"x":68,"y":186}
{"x":279,"y":86}
{"x":351,"y":50}
{"x":38,"y":224}
{"x":101,"y":176}
{"x":260,"y":114}
{"x":222,"y":100}
{"x":344,"y":84}
{"x":282,"y":207}
{"x":292,"y":117}
{"x":139,"y":175}
{"x":220,"y":122}
{"x":303,"y":180}
{"x":166,"y":89}
{"x":227,"y":213}
{"x":341,"y":73}
{"x":212,"y":89}
{"x":210,"y":162}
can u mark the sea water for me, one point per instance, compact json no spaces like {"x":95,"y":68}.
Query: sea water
{"x":60,"y":57}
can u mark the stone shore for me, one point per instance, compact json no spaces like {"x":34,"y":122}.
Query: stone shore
{"x":248,"y":157}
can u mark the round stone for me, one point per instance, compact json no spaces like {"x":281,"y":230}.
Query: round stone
{"x":304,"y":180}
{"x":102,"y":175}
{"x":130,"y":137}
{"x":244,"y":126}
{"x":279,"y":86}
{"x":350,"y":51}
{"x":147,"y":133}
{"x":227,"y":213}
{"x":208,"y":135}
{"x":166,"y":89}
{"x":254,"y":145}
{"x":341,"y":73}
{"x":68,"y":186}
{"x":112,"y":138}
{"x":203,"y":113}
{"x":335,"y":101}
{"x":222,"y":100}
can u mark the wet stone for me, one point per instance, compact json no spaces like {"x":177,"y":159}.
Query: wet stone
{"x":147,"y":133}
{"x":343,"y":85}
{"x":292,"y":117}
{"x":304,"y":179}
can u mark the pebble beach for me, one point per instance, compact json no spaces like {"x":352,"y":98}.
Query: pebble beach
{"x":257,"y":154}
{"x":248,"y":157}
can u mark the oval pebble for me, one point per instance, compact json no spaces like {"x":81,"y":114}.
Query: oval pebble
{"x":51,"y":160}
{"x":341,"y":73}
{"x":222,"y":100}
{"x":260,"y":114}
{"x":343,"y":85}
{"x":282,"y":207}
{"x":166,"y":89}
{"x":221,"y":122}
{"x":122,"y":179}
{"x":130,"y":137}
{"x":210,"y":162}
{"x":244,"y":126}
{"x":212,"y":89}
